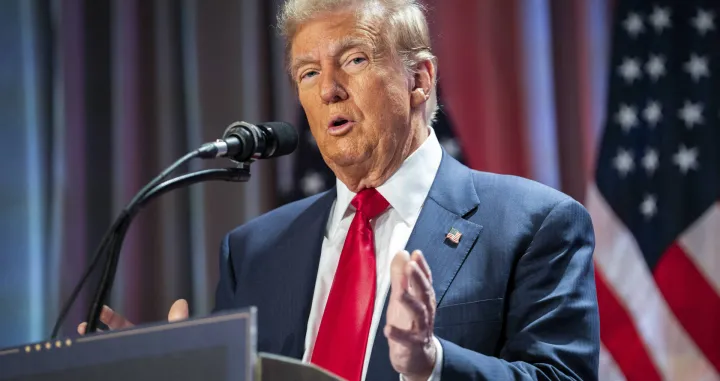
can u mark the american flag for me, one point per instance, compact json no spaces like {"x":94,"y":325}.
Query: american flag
{"x":654,"y":201}
{"x":454,"y":235}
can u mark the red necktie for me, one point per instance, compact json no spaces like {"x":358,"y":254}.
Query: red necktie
{"x":345,"y":326}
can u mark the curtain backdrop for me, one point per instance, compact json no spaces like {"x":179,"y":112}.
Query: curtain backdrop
{"x":98,"y":96}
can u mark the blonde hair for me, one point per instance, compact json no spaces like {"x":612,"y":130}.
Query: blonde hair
{"x":405,"y":22}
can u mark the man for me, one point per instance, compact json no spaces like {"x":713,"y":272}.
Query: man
{"x":500,"y":281}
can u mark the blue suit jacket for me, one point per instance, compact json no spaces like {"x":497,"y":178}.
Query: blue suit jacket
{"x":516,"y":297}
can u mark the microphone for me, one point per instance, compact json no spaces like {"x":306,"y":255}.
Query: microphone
{"x":244,"y":142}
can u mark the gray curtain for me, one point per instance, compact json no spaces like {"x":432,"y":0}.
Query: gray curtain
{"x":107,"y":94}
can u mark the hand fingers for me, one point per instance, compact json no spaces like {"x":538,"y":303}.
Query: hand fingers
{"x":419,"y":258}
{"x":82,"y":327}
{"x":113,"y":319}
{"x":398,"y":280}
{"x":179,"y":311}
{"x":110,"y":318}
{"x":405,"y":337}
{"x":420,"y":285}
{"x":418,"y":309}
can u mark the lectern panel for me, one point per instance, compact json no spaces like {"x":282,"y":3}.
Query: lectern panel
{"x":216,"y":348}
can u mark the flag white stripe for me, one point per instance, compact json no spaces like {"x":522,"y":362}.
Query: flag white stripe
{"x":620,"y":260}
{"x":609,"y":370}
{"x":701,"y":243}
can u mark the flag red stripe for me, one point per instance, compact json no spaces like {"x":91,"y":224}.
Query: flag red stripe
{"x":692,"y":299}
{"x":620,"y":337}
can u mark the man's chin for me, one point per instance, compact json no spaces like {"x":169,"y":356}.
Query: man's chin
{"x":346,"y":160}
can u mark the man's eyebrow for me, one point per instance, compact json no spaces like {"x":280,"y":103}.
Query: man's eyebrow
{"x":337,"y":48}
{"x":301,"y":61}
{"x":349,"y":42}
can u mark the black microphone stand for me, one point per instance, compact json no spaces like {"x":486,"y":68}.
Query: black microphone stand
{"x":226,"y":174}
{"x":242,"y":142}
{"x":111,"y":244}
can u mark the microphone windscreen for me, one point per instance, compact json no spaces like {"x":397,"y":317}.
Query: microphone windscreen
{"x":286,"y":137}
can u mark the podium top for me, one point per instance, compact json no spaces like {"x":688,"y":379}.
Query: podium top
{"x":220,"y":347}
{"x":216,"y":348}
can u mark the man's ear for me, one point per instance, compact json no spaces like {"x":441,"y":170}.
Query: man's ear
{"x":423,"y":80}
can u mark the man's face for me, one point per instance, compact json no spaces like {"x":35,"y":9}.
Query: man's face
{"x":354,"y":91}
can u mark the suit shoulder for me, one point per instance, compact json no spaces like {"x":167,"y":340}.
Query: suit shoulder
{"x":514,"y":209}
{"x":518,"y":192}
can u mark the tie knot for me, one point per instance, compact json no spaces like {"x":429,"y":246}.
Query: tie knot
{"x":370,"y":203}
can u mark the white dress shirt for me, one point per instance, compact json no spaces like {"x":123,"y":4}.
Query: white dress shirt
{"x":406,"y":191}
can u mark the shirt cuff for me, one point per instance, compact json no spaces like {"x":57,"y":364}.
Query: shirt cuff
{"x":437,"y":370}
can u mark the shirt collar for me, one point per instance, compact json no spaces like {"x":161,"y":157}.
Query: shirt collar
{"x":405,"y":190}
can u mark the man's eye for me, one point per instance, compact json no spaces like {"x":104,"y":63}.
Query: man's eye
{"x":308,"y":74}
{"x":358,"y":60}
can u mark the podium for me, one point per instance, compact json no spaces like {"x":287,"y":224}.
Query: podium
{"x":220,"y":347}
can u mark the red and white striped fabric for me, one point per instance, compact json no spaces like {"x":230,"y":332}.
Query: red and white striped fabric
{"x":654,"y":197}
{"x":643,"y":338}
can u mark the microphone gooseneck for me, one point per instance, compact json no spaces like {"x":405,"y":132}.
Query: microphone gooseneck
{"x":242,"y":143}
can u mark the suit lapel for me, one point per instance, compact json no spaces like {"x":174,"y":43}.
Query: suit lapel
{"x":444,"y":256}
{"x":451,"y":199}
{"x":294,"y":273}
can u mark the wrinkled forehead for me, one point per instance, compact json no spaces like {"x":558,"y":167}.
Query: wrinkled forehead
{"x":332,"y":33}
{"x":333,"y":47}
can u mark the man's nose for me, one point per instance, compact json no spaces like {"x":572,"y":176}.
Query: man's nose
{"x":331,"y":90}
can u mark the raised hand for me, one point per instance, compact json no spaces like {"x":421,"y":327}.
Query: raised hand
{"x":411,"y":316}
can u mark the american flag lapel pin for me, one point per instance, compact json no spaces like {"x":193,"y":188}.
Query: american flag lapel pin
{"x":454,"y":235}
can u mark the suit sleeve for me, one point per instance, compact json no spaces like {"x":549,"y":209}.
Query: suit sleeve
{"x":552,"y":321}
{"x":226,"y":285}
